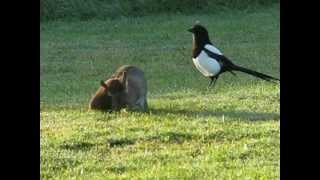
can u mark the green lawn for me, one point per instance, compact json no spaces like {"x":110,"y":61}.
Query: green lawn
{"x":229,"y":132}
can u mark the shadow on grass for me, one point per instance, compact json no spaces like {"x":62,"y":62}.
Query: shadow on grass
{"x":216,"y":136}
{"x":117,"y":169}
{"x":120,"y":169}
{"x":120,"y":142}
{"x":252,"y":116}
{"x":170,"y":137}
{"x":166,"y":137}
{"x":77,"y":146}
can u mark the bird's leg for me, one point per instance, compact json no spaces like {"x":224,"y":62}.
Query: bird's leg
{"x":212,"y":82}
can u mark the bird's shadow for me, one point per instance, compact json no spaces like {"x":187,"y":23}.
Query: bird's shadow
{"x":245,"y":115}
{"x":76,"y":146}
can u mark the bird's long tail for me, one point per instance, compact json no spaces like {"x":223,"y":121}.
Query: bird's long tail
{"x":254,"y":73}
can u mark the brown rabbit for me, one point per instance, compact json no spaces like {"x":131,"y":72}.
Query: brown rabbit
{"x":127,"y":88}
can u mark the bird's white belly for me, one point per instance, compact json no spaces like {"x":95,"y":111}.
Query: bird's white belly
{"x":206,"y":65}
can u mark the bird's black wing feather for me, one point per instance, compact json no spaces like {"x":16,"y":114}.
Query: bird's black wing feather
{"x":225,"y":63}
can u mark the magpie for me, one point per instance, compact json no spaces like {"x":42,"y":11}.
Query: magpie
{"x":210,"y":61}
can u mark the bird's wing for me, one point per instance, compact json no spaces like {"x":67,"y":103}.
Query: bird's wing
{"x":213,"y":49}
{"x":214,"y":53}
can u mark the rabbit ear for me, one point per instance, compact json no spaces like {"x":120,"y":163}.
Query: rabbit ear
{"x":123,"y":77}
{"x":103,"y":84}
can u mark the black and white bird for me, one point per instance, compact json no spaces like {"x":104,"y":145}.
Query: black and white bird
{"x":211,"y":62}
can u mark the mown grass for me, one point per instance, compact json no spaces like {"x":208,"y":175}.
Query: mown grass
{"x":229,"y":132}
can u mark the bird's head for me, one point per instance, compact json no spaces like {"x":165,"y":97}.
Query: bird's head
{"x":200,"y":35}
{"x":198,"y":30}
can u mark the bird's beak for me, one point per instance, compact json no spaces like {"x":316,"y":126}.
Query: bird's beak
{"x":190,"y":30}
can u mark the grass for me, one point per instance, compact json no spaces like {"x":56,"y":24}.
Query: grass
{"x":106,"y":9}
{"x":229,"y":132}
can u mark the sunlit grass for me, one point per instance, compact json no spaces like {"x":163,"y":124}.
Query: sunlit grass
{"x":229,"y":132}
